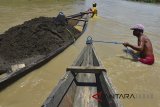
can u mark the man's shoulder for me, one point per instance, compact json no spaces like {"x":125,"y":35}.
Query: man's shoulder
{"x":144,"y":37}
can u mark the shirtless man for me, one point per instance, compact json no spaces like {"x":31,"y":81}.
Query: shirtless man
{"x":144,"y":45}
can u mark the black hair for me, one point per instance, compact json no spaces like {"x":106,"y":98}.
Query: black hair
{"x":94,"y":4}
{"x":140,"y":30}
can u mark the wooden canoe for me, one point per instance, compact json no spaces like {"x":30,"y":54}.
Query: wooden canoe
{"x":85,"y":84}
{"x":7,"y":78}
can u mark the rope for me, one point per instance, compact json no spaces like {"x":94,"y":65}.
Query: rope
{"x":90,"y":41}
{"x":127,"y":50}
{"x":109,"y":42}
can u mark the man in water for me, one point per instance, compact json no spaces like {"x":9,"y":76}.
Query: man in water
{"x":144,"y":45}
{"x":93,"y":10}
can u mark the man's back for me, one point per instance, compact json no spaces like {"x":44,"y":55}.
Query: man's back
{"x":148,"y":50}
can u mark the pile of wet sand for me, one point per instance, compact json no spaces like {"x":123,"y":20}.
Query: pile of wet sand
{"x":33,"y":39}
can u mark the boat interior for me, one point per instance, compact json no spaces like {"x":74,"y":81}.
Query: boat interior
{"x":85,"y":84}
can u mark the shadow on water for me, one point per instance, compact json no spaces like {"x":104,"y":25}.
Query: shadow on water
{"x":126,"y":58}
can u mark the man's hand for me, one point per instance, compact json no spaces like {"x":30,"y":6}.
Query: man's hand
{"x":125,"y":44}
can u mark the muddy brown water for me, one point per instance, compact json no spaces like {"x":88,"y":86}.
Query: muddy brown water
{"x":112,"y":24}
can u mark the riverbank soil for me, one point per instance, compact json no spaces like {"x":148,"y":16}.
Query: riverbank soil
{"x":32,"y":40}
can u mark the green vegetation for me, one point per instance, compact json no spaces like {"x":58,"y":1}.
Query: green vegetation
{"x":148,"y":1}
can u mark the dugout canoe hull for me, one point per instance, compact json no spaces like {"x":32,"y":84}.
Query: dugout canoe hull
{"x":13,"y":76}
{"x":85,"y":84}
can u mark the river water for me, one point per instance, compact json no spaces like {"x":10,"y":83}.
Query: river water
{"x":114,"y":19}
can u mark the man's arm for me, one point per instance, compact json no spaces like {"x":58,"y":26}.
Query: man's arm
{"x":137,"y":48}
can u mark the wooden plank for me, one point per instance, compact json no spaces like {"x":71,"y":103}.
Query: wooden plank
{"x":91,"y":56}
{"x":84,"y":26}
{"x":79,"y":19}
{"x":83,"y":96}
{"x":80,"y":58}
{"x":59,"y":92}
{"x":87,"y":55}
{"x":85,"y":58}
{"x":84,"y":69}
{"x":78,"y":16}
{"x":97,"y":61}
{"x":68,"y":99}
{"x":108,"y":91}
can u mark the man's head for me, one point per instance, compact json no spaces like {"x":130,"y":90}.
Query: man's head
{"x":94,"y":4}
{"x":137,"y":29}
